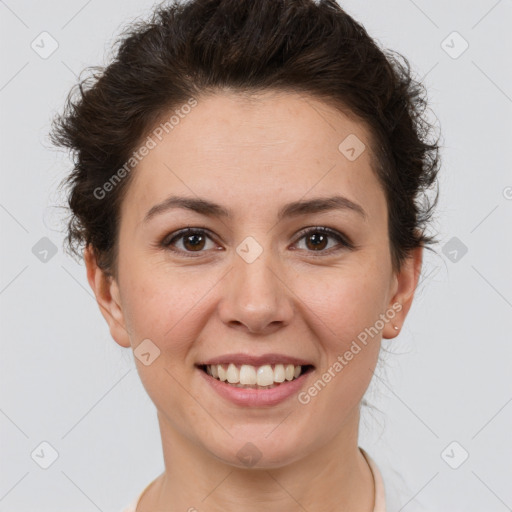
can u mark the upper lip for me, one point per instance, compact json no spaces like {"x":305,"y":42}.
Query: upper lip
{"x":239,"y":359}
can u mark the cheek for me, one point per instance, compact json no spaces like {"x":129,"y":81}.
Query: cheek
{"x":166,"y":307}
{"x":344,"y":317}
{"x":344,"y":300}
{"x":343,"y":311}
{"x":339,"y":319}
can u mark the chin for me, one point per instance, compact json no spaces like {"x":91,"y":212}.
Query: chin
{"x":252,"y":450}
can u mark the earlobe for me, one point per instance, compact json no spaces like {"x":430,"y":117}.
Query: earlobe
{"x":107,"y":294}
{"x":406,"y":282}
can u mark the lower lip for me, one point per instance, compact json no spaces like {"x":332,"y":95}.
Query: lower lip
{"x":256,"y":397}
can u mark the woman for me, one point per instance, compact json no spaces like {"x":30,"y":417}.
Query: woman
{"x":247,"y":191}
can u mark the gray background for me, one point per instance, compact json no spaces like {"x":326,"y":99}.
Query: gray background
{"x":64,"y":381}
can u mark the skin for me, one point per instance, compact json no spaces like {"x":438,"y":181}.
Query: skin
{"x":252,"y":157}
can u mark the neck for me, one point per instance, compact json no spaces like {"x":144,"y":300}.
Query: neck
{"x":332,"y":476}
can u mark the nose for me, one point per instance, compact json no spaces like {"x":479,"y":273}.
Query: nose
{"x":256,"y":297}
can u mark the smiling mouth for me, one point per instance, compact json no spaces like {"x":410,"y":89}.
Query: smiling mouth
{"x":251,"y":377}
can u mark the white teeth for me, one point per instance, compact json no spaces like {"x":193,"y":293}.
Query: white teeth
{"x":233,"y":374}
{"x":279,"y":373}
{"x":265,"y":375}
{"x":289,"y":372}
{"x":248,"y":375}
{"x":220,"y":370}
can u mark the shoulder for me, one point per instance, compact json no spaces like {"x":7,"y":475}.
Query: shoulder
{"x":132,"y":507}
{"x":380,"y":495}
{"x":398,"y":493}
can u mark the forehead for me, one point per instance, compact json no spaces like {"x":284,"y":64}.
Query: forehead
{"x":250,"y":152}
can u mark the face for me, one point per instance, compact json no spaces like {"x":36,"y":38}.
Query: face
{"x":305,"y":285}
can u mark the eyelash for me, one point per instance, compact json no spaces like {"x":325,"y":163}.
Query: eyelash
{"x":343,"y":241}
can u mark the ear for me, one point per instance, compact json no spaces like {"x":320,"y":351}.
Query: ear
{"x":405,"y":283}
{"x":106,"y":290}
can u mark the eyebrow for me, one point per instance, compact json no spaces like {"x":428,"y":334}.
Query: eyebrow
{"x":294,"y":209}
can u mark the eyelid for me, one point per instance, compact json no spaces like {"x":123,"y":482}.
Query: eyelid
{"x":333,"y":233}
{"x":173,"y":237}
{"x":343,"y":241}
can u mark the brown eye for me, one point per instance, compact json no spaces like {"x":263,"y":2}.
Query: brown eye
{"x":192,"y":240}
{"x":196,"y":241}
{"x":317,"y":239}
